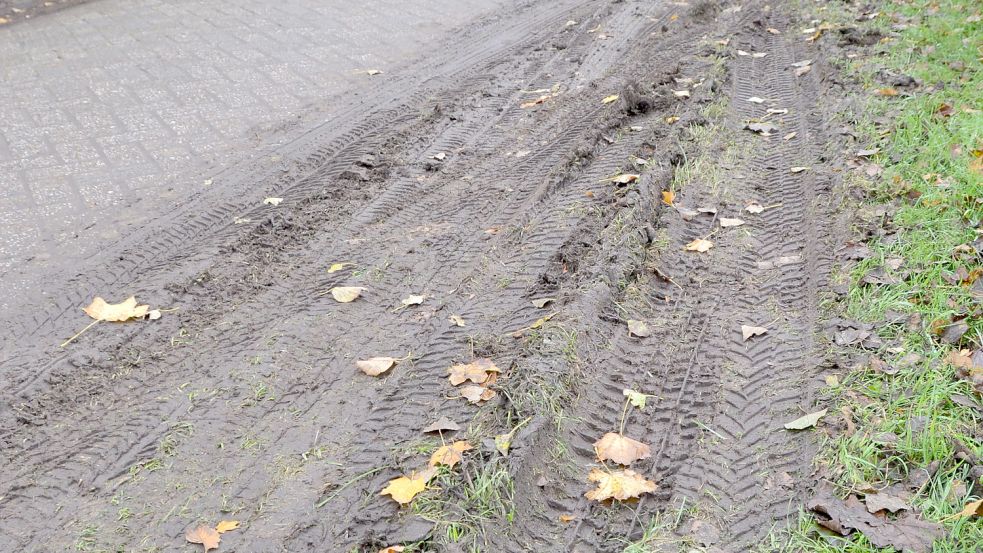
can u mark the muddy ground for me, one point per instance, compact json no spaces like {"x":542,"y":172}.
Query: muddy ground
{"x":243,"y":401}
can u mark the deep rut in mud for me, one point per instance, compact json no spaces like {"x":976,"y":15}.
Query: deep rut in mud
{"x":244,"y":402}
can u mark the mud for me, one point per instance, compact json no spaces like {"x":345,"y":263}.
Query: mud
{"x":243,"y":400}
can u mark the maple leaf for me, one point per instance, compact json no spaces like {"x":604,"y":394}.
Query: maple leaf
{"x":204,"y":535}
{"x":226,"y":526}
{"x":620,"y":485}
{"x":449,"y":455}
{"x":116,"y":312}
{"x":699,"y":245}
{"x":620,"y":449}
{"x":375,"y":366}
{"x":346,"y":294}
{"x":476,"y":371}
{"x":405,"y":488}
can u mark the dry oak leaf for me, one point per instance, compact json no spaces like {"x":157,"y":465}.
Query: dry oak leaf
{"x":116,"y":312}
{"x":449,"y":455}
{"x":477,"y":394}
{"x":405,"y":488}
{"x":748,"y":331}
{"x":204,"y":535}
{"x":226,"y":526}
{"x":374,"y":366}
{"x":620,"y":449}
{"x":699,"y":245}
{"x":620,"y":484}
{"x":346,"y":294}
{"x":476,"y":371}
{"x":638,"y":328}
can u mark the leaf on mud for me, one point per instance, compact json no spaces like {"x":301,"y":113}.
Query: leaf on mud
{"x":680,"y":93}
{"x":803,"y":63}
{"x":886,"y":92}
{"x":789,"y":136}
{"x":620,"y":449}
{"x":754,"y":208}
{"x":443,"y":424}
{"x":542,"y":302}
{"x":376,"y":365}
{"x":346,"y":294}
{"x":273,"y":201}
{"x":153,"y":314}
{"x":907,"y":533}
{"x":637,"y":399}
{"x":762,"y":128}
{"x":405,"y":488}
{"x":749,"y":331}
{"x":619,"y":484}
{"x":476,"y":371}
{"x":449,"y":455}
{"x":413,"y":300}
{"x":625,"y":179}
{"x":638,"y":328}
{"x":686,"y":213}
{"x":393,"y":549}
{"x":798,"y":169}
{"x":335,"y":267}
{"x":115,"y":312}
{"x":457,"y":320}
{"x":609,"y":99}
{"x":535,"y":102}
{"x":725,"y":222}
{"x":803,"y":70}
{"x":777,"y":111}
{"x":668,"y":196}
{"x":805,"y":421}
{"x":564,"y":518}
{"x":971,"y":509}
{"x":477,"y":394}
{"x":671,"y":119}
{"x":699,"y":245}
{"x":204,"y":535}
{"x":226,"y":526}
{"x":756,"y":100}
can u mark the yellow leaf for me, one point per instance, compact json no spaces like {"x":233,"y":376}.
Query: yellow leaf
{"x":620,"y":484}
{"x":346,"y":294}
{"x":116,"y":312}
{"x":620,"y":449}
{"x":376,"y":365}
{"x":699,"y":245}
{"x":405,"y":488}
{"x":973,"y":508}
{"x":886,"y":92}
{"x":567,"y":518}
{"x":635,"y":398}
{"x":671,"y":119}
{"x":335,"y":267}
{"x":204,"y":535}
{"x":449,"y":455}
{"x":476,"y":371}
{"x":393,"y":549}
{"x":609,"y":99}
{"x":625,"y":179}
{"x":226,"y":525}
{"x":668,"y":196}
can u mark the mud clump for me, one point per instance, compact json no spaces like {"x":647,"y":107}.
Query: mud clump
{"x":853,"y":36}
{"x":704,"y":10}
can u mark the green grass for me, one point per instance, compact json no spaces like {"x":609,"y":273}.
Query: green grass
{"x":927,"y":172}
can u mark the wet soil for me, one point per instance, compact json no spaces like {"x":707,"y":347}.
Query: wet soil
{"x":13,"y":11}
{"x":243,"y":400}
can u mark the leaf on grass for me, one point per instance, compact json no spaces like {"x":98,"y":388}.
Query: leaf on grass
{"x":335,"y":267}
{"x":625,"y":179}
{"x":805,"y":421}
{"x":884,"y":501}
{"x":971,"y":509}
{"x":346,"y":294}
{"x":205,"y":535}
{"x":754,"y":208}
{"x":443,"y":424}
{"x":273,"y":201}
{"x":226,"y":526}
{"x":609,"y":99}
{"x":637,"y":399}
{"x":725,"y":222}
{"x":376,"y":365}
{"x":619,"y":484}
{"x":668,"y":196}
{"x":405,"y":488}
{"x":620,"y":449}
{"x":449,"y":455}
{"x":699,"y":245}
{"x":477,"y":394}
{"x":749,"y":331}
{"x":413,"y":300}
{"x":638,"y":328}
{"x":476,"y":371}
{"x":116,"y":312}
{"x":671,"y":119}
{"x":907,"y":533}
{"x":457,"y":320}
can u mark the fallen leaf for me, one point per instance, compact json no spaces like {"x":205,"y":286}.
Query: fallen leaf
{"x":868,"y":152}
{"x":789,"y":136}
{"x":798,"y":169}
{"x":773,"y":31}
{"x":413,"y":300}
{"x":477,"y":394}
{"x":971,"y":509}
{"x":764,"y":129}
{"x":226,"y":526}
{"x":405,"y":488}
{"x":609,"y":99}
{"x":681,"y":93}
{"x":443,"y":424}
{"x":884,"y":501}
{"x":699,"y":245}
{"x":535,"y":102}
{"x":335,"y":267}
{"x":373,"y":72}
{"x":457,"y":320}
{"x":619,"y":484}
{"x":153,"y":314}
{"x":777,"y":111}
{"x":725,"y":222}
{"x":543,"y":302}
{"x":393,"y":549}
{"x":668,"y":196}
{"x":625,"y":179}
{"x":204,"y":535}
{"x":945,"y":110}
{"x":749,"y":331}
{"x":567,"y":518}
{"x":346,"y":294}
{"x":907,"y":533}
{"x":671,"y":119}
{"x":806,"y":421}
{"x":637,"y":399}
{"x":754,"y":208}
{"x":756,"y":100}
{"x":886,"y":92}
{"x":273,"y":201}
{"x":620,"y":449}
{"x":638,"y":328}
{"x":449,"y":455}
{"x":803,"y":70}
{"x":476,"y":371}
{"x":759,"y":54}
{"x":439,"y":156}
{"x":115,"y":312}
{"x":832,"y":381}
{"x":802,"y":63}
{"x":376,"y":365}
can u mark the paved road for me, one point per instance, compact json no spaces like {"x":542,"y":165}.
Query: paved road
{"x":117,"y":103}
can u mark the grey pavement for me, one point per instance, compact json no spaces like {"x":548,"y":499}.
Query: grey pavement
{"x":115,"y":102}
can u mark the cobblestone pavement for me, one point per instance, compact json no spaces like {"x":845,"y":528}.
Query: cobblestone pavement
{"x":114,"y":104}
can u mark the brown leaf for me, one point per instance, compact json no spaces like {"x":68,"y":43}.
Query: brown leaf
{"x":619,"y":484}
{"x":699,"y":245}
{"x":226,"y":526}
{"x":764,"y":129}
{"x":477,"y":394}
{"x":204,"y":535}
{"x":907,"y":533}
{"x":443,"y":424}
{"x":375,"y":366}
{"x":449,"y":455}
{"x":886,"y":92}
{"x":638,"y":328}
{"x":749,"y":331}
{"x":116,"y":312}
{"x":405,"y":488}
{"x":346,"y":294}
{"x":567,"y":518}
{"x":971,"y":509}
{"x":476,"y":371}
{"x":620,"y":449}
{"x":883,"y":501}
{"x":625,"y":179}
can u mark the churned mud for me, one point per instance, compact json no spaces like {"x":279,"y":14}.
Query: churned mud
{"x":483,"y":179}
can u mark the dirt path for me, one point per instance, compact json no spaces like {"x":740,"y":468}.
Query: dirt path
{"x":244,"y":403}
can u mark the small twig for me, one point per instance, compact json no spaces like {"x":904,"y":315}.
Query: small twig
{"x":68,"y":341}
{"x":624,"y":414}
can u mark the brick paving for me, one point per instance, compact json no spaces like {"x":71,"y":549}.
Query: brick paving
{"x":115,"y":101}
